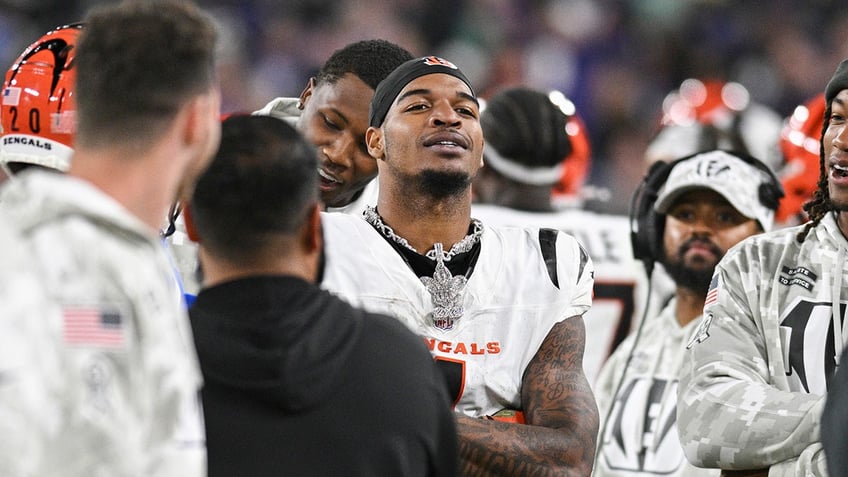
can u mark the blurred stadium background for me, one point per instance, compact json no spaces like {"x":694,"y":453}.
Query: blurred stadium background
{"x":616,"y":59}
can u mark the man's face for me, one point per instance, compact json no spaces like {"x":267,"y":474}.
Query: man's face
{"x":334,"y":119}
{"x":835,"y":144}
{"x":699,"y":229}
{"x":432,"y":135}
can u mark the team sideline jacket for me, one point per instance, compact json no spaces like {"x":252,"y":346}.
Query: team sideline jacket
{"x":117,"y":362}
{"x":755,"y":375}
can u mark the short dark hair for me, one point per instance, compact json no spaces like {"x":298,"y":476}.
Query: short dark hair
{"x":370,"y":60}
{"x":137,"y":64}
{"x":260,"y":185}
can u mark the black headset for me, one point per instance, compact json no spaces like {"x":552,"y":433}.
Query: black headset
{"x":647,"y":225}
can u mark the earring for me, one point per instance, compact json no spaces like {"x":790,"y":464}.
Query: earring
{"x":300,"y":105}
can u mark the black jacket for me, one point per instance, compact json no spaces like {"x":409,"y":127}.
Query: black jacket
{"x":298,"y":383}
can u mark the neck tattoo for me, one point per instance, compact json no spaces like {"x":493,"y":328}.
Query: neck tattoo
{"x":445,"y":289}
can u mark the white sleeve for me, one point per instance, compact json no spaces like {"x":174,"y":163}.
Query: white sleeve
{"x":575,"y":265}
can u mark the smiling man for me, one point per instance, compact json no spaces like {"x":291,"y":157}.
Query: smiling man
{"x":757,"y":372}
{"x":693,"y":210}
{"x":500,"y":308}
{"x":332,"y":113}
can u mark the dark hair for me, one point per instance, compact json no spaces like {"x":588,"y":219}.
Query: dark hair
{"x":820,"y":204}
{"x":817,"y":207}
{"x":370,"y":60}
{"x":261,"y":184}
{"x":524,"y":125}
{"x":137,"y":64}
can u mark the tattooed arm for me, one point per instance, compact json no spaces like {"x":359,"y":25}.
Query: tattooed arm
{"x":560,"y":411}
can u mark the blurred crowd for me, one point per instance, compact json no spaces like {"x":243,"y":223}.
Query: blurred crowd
{"x":616,"y":59}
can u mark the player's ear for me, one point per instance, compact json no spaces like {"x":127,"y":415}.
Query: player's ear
{"x":306,"y":93}
{"x":311,"y":236}
{"x":482,"y":147}
{"x":201,"y":114}
{"x":374,"y":141}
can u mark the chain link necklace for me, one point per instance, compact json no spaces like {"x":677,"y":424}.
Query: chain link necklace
{"x":445,"y":289}
{"x":464,"y":245}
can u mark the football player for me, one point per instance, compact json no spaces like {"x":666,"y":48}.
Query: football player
{"x":500,"y":308}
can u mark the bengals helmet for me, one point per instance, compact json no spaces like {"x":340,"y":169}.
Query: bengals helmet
{"x":535,"y":137}
{"x":799,"y":143}
{"x":38,"y":114}
{"x":707,"y":102}
{"x":702,"y":115}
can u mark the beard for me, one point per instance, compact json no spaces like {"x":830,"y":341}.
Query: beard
{"x":838,"y":206}
{"x":439,"y":185}
{"x":695,"y":278}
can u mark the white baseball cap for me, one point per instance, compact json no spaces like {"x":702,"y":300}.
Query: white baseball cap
{"x":735,"y":179}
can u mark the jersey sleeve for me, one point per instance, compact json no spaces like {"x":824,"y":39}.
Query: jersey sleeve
{"x":576,"y":267}
{"x":730,"y":413}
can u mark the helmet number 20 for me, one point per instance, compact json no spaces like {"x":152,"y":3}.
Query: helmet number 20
{"x":34,"y":120}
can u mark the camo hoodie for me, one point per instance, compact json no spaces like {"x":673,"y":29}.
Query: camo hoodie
{"x":119,"y":368}
{"x":756,"y":370}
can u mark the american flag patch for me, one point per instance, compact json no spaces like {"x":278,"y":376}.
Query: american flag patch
{"x":93,"y":327}
{"x":712,"y":293}
{"x":11,"y":96}
{"x":64,"y":122}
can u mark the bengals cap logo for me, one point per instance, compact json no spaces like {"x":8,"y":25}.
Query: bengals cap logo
{"x":436,"y":61}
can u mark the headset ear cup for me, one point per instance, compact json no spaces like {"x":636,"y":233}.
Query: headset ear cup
{"x":639,"y":229}
{"x":770,"y":195}
{"x":654,"y":228}
{"x":637,"y":222}
{"x":643,"y":218}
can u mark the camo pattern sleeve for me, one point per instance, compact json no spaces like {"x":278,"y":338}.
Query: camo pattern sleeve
{"x":754,"y":375}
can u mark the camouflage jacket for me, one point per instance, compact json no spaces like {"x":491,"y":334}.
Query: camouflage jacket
{"x":756,"y":370}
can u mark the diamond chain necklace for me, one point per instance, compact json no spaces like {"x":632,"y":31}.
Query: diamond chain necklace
{"x":446,"y":290}
{"x":464,"y":245}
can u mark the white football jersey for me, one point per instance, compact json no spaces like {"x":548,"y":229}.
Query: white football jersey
{"x":621,"y":284}
{"x":638,"y":434}
{"x":511,"y":301}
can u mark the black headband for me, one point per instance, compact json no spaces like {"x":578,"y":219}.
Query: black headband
{"x":390,"y":88}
